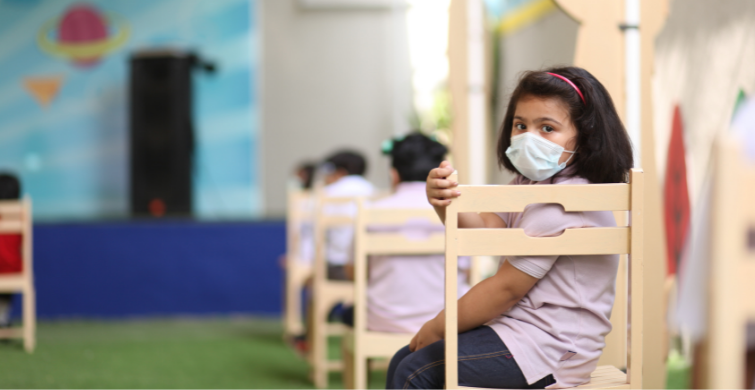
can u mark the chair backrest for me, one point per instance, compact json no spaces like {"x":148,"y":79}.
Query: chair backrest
{"x":300,"y":211}
{"x":15,"y":218}
{"x":732,"y":265}
{"x":331,"y":212}
{"x":386,"y":243}
{"x":514,"y":242}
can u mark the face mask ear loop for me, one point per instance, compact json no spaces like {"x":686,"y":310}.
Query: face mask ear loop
{"x":572,"y":155}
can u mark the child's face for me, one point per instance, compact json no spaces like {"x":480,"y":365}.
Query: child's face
{"x":548,"y":118}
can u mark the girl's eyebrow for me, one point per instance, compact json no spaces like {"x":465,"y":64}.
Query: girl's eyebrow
{"x":541,"y":119}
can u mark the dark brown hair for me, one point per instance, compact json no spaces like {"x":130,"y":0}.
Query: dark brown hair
{"x":415,"y":155}
{"x":604,"y":152}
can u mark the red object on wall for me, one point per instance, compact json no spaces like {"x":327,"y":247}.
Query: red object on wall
{"x":10,"y":253}
{"x":676,"y":195}
{"x":83,"y":24}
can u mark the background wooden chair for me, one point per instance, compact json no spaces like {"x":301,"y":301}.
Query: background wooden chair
{"x":361,"y":344}
{"x":15,"y":218}
{"x":300,"y":213}
{"x":732,"y":266}
{"x":513,"y":242}
{"x":326,"y":293}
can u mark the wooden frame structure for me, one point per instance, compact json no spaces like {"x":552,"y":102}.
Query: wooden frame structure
{"x":300,"y":212}
{"x":326,"y":293}
{"x":360,"y":344}
{"x":512,"y":242}
{"x":732,"y":266}
{"x":15,"y":218}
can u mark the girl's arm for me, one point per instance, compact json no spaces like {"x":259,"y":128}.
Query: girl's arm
{"x":440,"y":193}
{"x":485,"y":301}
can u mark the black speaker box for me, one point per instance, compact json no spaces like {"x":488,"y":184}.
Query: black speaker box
{"x":162,"y":140}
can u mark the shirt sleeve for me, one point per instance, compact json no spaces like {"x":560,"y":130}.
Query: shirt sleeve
{"x":543,"y":220}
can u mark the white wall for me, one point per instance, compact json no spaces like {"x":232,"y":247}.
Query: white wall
{"x":331,"y":78}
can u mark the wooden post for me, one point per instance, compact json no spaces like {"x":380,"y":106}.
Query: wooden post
{"x":458,"y":82}
{"x":653,"y":15}
{"x":451,"y":295}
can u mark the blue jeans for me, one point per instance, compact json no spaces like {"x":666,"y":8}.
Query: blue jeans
{"x":484,"y":361}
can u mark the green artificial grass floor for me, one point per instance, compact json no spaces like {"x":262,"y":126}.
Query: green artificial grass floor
{"x":160,"y":353}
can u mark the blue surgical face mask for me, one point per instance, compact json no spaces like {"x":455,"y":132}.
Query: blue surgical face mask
{"x":535,"y":157}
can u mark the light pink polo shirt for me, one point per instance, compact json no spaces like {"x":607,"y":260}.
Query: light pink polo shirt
{"x":559,"y":327}
{"x":404,"y":292}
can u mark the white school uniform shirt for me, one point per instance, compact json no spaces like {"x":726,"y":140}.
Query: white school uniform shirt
{"x":404,"y":292}
{"x":559,"y":327}
{"x":339,"y":249}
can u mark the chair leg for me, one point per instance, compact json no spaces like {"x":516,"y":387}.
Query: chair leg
{"x":30,"y":320}
{"x":348,"y":367}
{"x":360,"y":371}
{"x":319,"y":345}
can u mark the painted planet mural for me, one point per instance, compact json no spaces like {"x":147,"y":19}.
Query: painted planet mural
{"x":82,"y":35}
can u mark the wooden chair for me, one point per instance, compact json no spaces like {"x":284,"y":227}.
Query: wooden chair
{"x":300,"y":212}
{"x":361,"y":344}
{"x":15,"y":218}
{"x":513,"y":242}
{"x":732,"y":266}
{"x":326,"y":293}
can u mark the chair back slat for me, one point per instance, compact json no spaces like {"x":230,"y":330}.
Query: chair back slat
{"x":595,"y":197}
{"x":11,"y":226}
{"x":398,"y":216}
{"x":515,"y":242}
{"x":330,"y":221}
{"x":10,"y":208}
{"x":398,"y":244}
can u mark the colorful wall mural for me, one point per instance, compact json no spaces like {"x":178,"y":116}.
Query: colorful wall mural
{"x":64,"y":96}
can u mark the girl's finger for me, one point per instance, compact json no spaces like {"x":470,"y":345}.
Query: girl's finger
{"x":443,"y":183}
{"x":447,"y":194}
{"x":440,"y":202}
{"x":441,"y":172}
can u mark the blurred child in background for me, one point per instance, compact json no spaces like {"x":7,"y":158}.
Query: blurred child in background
{"x":404,"y":292}
{"x":305,"y":174}
{"x":343,"y":176}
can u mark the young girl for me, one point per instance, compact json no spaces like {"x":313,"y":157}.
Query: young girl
{"x":540,"y":320}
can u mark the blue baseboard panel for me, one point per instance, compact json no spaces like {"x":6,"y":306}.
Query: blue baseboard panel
{"x":166,"y":268}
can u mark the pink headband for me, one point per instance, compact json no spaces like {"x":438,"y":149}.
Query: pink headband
{"x":570,"y":83}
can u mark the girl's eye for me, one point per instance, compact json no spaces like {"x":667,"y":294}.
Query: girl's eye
{"x":547,"y":129}
{"x":520,"y":126}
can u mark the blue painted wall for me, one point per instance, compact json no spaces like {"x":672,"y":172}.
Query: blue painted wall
{"x":119,"y":270}
{"x":72,"y":153}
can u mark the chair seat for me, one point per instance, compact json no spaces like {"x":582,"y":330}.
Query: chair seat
{"x":378,"y":344}
{"x":604,"y":377}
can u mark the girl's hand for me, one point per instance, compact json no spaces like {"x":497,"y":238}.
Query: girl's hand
{"x":428,"y":334}
{"x":440,"y":191}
